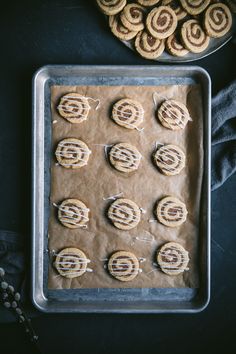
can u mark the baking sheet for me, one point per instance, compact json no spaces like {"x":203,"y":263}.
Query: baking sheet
{"x":110,"y":300}
{"x":145,"y":186}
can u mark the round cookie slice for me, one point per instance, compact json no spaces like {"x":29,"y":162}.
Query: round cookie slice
{"x":172,"y":258}
{"x":194,"y":7}
{"x":217,"y":20}
{"x":124,"y":214}
{"x":119,"y":30}
{"x":72,"y":153}
{"x":123,"y":266}
{"x":125,"y":157}
{"x":170,"y":159}
{"x":171,"y":212}
{"x":128,"y":113}
{"x":73,"y":213}
{"x":161,"y":22}
{"x":148,"y":2}
{"x":71,"y":263}
{"x":148,"y":46}
{"x":173,"y":115}
{"x":175,"y":47}
{"x":132,"y":17}
{"x":111,"y":7}
{"x":193,"y":37}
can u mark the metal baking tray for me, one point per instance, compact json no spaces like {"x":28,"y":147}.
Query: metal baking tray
{"x":155,"y":300}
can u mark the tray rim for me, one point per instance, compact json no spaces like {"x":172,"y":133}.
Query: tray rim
{"x":43,"y":71}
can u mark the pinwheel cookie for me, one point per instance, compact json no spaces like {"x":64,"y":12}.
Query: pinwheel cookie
{"x":170,"y":159}
{"x":172,"y":258}
{"x":178,"y":9}
{"x":71,"y":262}
{"x":148,"y":46}
{"x":123,"y":266}
{"x":173,"y":115}
{"x":124,"y":214}
{"x":128,"y":113}
{"x":132,"y":17}
{"x":73,"y":213}
{"x":72,"y":153}
{"x":194,"y":37}
{"x":175,"y":47}
{"x":125,"y":157}
{"x":148,"y":2}
{"x":195,"y":7}
{"x":111,"y":7}
{"x":217,"y":20}
{"x":119,"y":30}
{"x":171,"y":212}
{"x":161,"y":22}
{"x":74,"y":107}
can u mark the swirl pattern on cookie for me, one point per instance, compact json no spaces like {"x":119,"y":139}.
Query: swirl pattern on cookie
{"x":217,"y":20}
{"x":72,"y":153}
{"x":170,"y":159}
{"x":128,"y":113}
{"x":124,"y":214}
{"x":74,"y":107}
{"x":123,"y":266}
{"x":73,"y":213}
{"x":179,"y":11}
{"x":111,"y":7}
{"x":173,"y":115}
{"x":119,"y":30}
{"x":125,"y":157}
{"x":195,"y":7}
{"x":132,"y":17}
{"x":193,"y":37}
{"x":171,"y":212}
{"x":148,"y":2}
{"x":148,"y":46}
{"x":175,"y":47}
{"x":71,"y":263}
{"x":172,"y":258}
{"x":161,"y":22}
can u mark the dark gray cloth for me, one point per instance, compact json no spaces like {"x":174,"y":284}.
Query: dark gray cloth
{"x":223,"y":135}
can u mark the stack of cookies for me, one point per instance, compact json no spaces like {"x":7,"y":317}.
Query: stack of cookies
{"x":178,"y":26}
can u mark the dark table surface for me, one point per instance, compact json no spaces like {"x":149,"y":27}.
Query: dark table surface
{"x":35,"y":33}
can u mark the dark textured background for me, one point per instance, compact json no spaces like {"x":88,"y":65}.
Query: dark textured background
{"x":35,"y":33}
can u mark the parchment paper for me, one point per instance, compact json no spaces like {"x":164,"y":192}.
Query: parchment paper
{"x":145,"y":186}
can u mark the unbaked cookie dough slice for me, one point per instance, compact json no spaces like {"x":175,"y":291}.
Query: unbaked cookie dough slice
{"x":170,"y":159}
{"x":173,"y":115}
{"x":123,"y":266}
{"x":161,"y":22}
{"x":172,"y":258}
{"x":72,"y":153}
{"x":71,"y":263}
{"x":125,"y":157}
{"x":124,"y":214}
{"x":132,"y":17}
{"x":217,"y":20}
{"x":73,"y":213}
{"x":111,"y":7}
{"x":179,"y":11}
{"x":171,"y":212}
{"x":148,"y":46}
{"x":175,"y":47}
{"x":119,"y":30}
{"x":74,"y":107}
{"x":128,"y":113}
{"x":193,"y":37}
{"x":195,"y":7}
{"x":148,"y":2}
